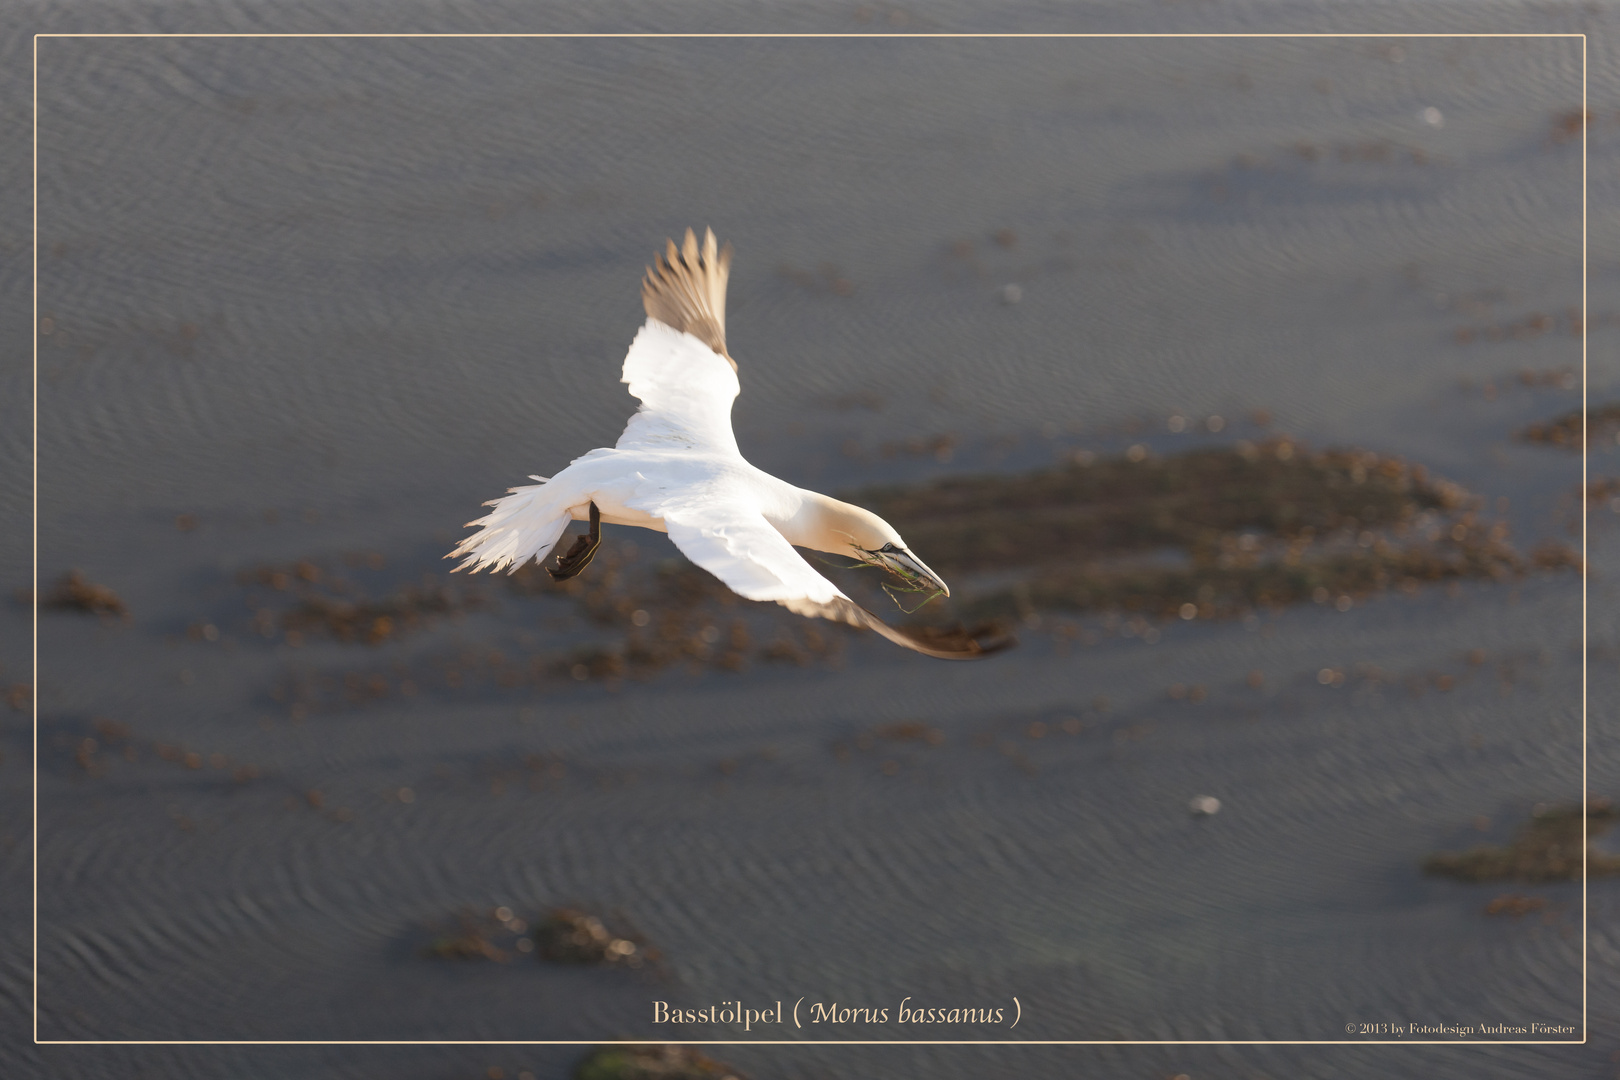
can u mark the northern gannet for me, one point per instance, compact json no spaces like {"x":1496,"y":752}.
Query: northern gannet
{"x":677,"y":469}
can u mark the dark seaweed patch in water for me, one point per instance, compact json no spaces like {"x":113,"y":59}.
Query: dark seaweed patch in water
{"x":827,"y":281}
{"x":1547,"y":848}
{"x":671,"y":613}
{"x":74,"y":593}
{"x":1571,"y":124}
{"x":1605,"y":489}
{"x":570,"y":936}
{"x":333,"y":605}
{"x":480,"y":934}
{"x":652,"y":1062}
{"x":657,"y":615}
{"x":1537,"y":322}
{"x":564,"y":935}
{"x":672,"y":636}
{"x":903,"y":731}
{"x":1602,"y":426}
{"x":1515,"y":904}
{"x":1248,"y":525}
{"x":105,"y":745}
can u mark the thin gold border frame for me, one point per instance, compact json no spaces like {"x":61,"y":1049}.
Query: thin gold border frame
{"x":1585,"y":577}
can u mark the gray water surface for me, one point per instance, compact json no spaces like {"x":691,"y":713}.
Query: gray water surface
{"x":323,"y":297}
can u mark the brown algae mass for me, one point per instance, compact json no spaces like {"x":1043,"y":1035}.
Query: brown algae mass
{"x":480,"y":934}
{"x":333,"y":605}
{"x":108,"y":743}
{"x":1602,"y":426}
{"x":74,"y":593}
{"x":564,"y":935}
{"x":652,"y":1062}
{"x":1515,"y":905}
{"x":1547,"y":848}
{"x":1210,"y":532}
{"x":569,"y":936}
{"x":669,"y":613}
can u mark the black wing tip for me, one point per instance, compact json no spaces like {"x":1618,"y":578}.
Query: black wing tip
{"x":943,"y":642}
{"x":960,"y":642}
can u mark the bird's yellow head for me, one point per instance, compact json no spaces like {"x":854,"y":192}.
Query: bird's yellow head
{"x":875,"y":542}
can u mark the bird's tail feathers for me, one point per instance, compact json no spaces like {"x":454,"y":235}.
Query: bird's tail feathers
{"x":524,"y":524}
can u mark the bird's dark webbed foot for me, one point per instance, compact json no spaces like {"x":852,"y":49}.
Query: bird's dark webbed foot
{"x":580,"y":555}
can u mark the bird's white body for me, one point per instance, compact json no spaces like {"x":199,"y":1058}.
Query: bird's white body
{"x":677,"y":469}
{"x":603,"y":473}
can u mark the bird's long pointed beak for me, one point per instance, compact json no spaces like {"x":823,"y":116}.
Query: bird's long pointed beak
{"x":903,"y":562}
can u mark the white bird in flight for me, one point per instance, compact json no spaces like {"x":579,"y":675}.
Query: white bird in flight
{"x":677,"y":469}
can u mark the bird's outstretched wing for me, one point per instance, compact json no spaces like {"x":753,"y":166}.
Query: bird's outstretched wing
{"x":686,"y":390}
{"x":732,"y":541}
{"x":678,"y":365}
{"x":686,"y":290}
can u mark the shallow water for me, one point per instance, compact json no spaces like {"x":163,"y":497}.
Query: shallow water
{"x":326,"y":296}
